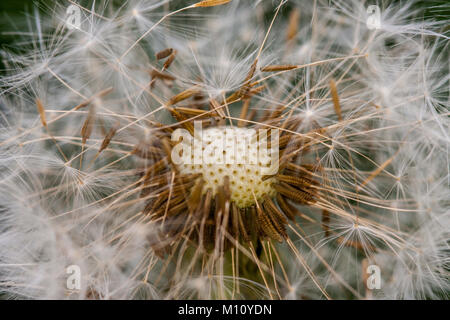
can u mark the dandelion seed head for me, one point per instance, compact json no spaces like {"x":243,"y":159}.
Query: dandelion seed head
{"x":87,"y":176}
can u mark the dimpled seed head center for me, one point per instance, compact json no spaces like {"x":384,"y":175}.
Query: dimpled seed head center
{"x":230,"y":151}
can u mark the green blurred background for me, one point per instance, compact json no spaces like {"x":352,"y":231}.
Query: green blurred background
{"x":13,"y":11}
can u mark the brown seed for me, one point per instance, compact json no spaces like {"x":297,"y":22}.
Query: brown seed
{"x":108,"y":138}
{"x":235,"y":96}
{"x":226,"y":188}
{"x":211,"y":3}
{"x":196,"y":194}
{"x":41,"y":111}
{"x":198,"y":96}
{"x":306,"y":169}
{"x":287,"y":209}
{"x":278,"y":226}
{"x":292,"y":29}
{"x":273,"y":68}
{"x":296,"y":180}
{"x":164,"y":53}
{"x":279,"y":216}
{"x":219,"y":204}
{"x":161,"y":75}
{"x":244,"y":111}
{"x":192,"y":111}
{"x":169,"y":60}
{"x":251,"y":72}
{"x":255,"y":90}
{"x":335,"y":96}
{"x":86,"y":130}
{"x":252,"y":114}
{"x":207,"y":203}
{"x":299,"y":196}
{"x":183,"y":95}
{"x":247,"y":82}
{"x":267,"y":226}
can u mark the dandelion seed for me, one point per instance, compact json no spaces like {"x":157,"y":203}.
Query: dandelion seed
{"x":211,"y":3}
{"x":41,"y":112}
{"x":336,"y":103}
{"x":278,"y":68}
{"x":170,"y":60}
{"x":186,"y":94}
{"x":164,"y":53}
{"x":292,"y":29}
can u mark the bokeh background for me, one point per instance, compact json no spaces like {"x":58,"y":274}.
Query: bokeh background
{"x":12,"y":12}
